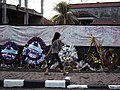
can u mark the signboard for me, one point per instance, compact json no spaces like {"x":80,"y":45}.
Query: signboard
{"x":70,"y":35}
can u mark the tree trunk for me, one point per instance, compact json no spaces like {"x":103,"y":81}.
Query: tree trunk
{"x":64,"y":21}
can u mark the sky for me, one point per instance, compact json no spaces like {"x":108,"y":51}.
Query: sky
{"x":50,"y":4}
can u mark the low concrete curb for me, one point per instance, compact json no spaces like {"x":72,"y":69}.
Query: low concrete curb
{"x":94,"y":86}
{"x":21,"y":83}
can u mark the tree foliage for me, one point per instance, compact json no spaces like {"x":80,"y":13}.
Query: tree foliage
{"x":65,"y":16}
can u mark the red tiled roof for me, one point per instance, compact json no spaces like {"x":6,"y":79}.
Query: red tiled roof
{"x":93,"y":5}
{"x":98,"y":21}
{"x":46,"y":21}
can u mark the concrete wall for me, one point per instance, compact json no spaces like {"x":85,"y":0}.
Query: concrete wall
{"x":103,"y":13}
{"x":17,"y":16}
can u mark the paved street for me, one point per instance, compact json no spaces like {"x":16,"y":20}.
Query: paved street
{"x":45,"y":89}
{"x":76,"y":78}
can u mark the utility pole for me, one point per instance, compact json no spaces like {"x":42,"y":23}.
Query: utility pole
{"x":69,"y":1}
{"x":0,"y":1}
{"x":42,"y":4}
{"x":26,"y":15}
{"x":4,"y":12}
{"x":20,"y":3}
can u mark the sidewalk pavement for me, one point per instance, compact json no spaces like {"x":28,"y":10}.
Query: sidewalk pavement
{"x":75,"y":78}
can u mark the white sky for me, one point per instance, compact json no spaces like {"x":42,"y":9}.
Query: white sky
{"x":50,"y":4}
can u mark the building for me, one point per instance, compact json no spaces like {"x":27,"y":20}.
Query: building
{"x":17,"y":15}
{"x":47,"y":22}
{"x":97,"y":13}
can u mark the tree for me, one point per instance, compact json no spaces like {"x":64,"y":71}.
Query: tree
{"x":65,"y":16}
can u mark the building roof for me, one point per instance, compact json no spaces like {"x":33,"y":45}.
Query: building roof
{"x":46,"y":21}
{"x":95,"y":5}
{"x":22,"y":9}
